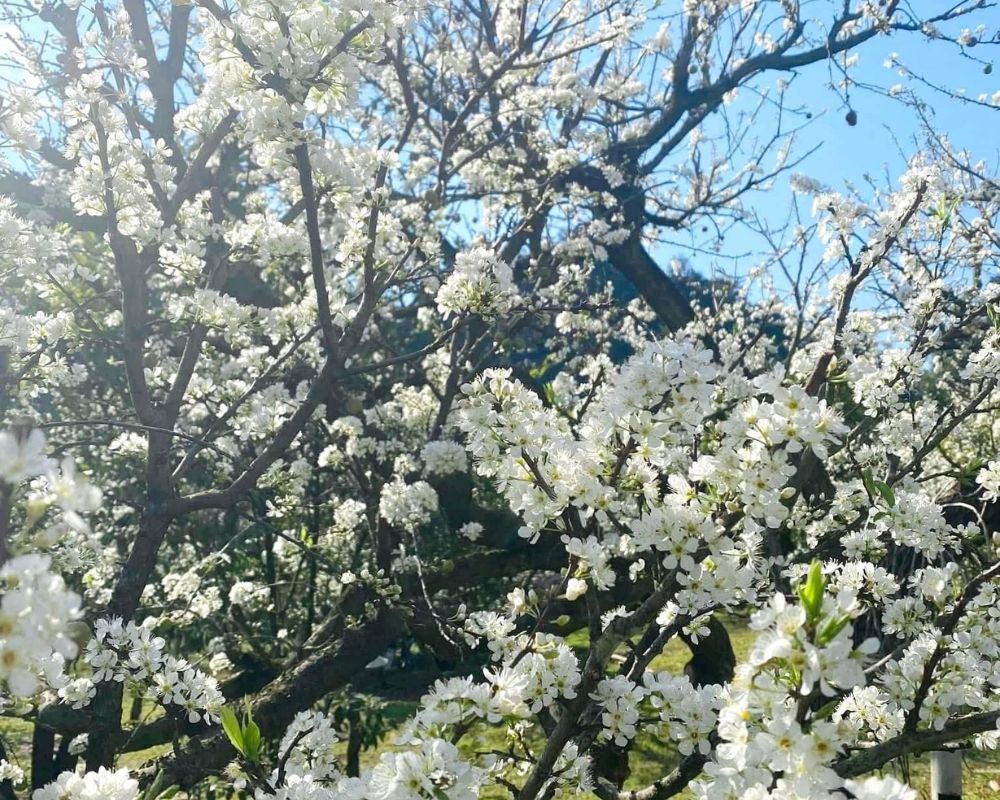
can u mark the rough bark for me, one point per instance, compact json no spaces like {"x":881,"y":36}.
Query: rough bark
{"x":330,"y":668}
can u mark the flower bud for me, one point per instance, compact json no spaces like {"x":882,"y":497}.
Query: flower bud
{"x":575,"y":589}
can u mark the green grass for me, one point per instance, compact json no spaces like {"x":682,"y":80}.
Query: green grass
{"x":16,"y":737}
{"x":650,"y":759}
{"x":980,"y":776}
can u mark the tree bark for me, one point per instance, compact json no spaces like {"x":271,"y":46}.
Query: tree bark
{"x":657,"y":288}
{"x":328,"y":669}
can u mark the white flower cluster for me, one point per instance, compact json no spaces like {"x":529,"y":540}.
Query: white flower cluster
{"x":620,"y":699}
{"x":913,"y":520}
{"x":480,"y":283}
{"x":314,"y":738}
{"x":215,"y":310}
{"x":22,"y":455}
{"x":830,"y":664}
{"x":104,"y":784}
{"x":687,"y":714}
{"x":302,"y":45}
{"x":120,"y":652}
{"x":36,"y":607}
{"x":521,"y":685}
{"x":11,"y":772}
{"x":966,"y":676}
{"x":989,"y":478}
{"x":606,"y":470}
{"x":753,"y":461}
{"x":408,"y":505}
{"x":771,"y":744}
{"x":58,"y":498}
{"x":434,"y":770}
{"x":443,"y":458}
{"x":132,"y":199}
{"x":663,"y":703}
{"x":191,"y":598}
{"x":247,"y":593}
{"x":533,"y":673}
{"x":510,"y":434}
{"x":58,"y":484}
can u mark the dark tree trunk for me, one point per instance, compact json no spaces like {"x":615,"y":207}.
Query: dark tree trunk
{"x":43,"y":758}
{"x":353,"y":749}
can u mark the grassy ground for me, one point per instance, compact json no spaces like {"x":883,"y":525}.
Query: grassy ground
{"x":651,"y":759}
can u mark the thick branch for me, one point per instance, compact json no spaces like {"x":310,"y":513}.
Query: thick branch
{"x":915,"y":742}
{"x":325,"y":671}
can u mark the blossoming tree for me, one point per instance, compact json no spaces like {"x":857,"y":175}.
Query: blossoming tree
{"x":352,"y":310}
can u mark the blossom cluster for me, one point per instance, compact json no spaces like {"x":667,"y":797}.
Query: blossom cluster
{"x":773,"y":744}
{"x":104,"y":783}
{"x":434,"y":770}
{"x":37,"y":609}
{"x":379,"y":280}
{"x":122,"y":651}
{"x":479,"y":283}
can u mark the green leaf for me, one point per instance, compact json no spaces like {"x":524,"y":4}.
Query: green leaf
{"x":829,"y":631}
{"x":251,"y":740}
{"x":826,"y":711}
{"x":885,"y":490}
{"x":866,"y":477}
{"x":231,"y":726}
{"x":155,"y":789}
{"x":994,"y":316}
{"x":539,"y":370}
{"x":970,"y":471}
{"x":876,"y":487}
{"x":811,"y":592}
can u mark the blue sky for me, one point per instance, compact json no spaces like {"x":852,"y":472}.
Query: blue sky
{"x":887,"y":131}
{"x":883,"y":125}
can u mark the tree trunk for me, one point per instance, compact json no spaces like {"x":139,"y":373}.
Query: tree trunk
{"x":353,"y":749}
{"x":43,"y":761}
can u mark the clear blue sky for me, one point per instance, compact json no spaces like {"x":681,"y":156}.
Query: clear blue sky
{"x":883,"y":125}
{"x":887,"y":131}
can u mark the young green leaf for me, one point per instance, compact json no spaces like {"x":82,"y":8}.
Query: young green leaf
{"x":826,"y":711}
{"x":231,"y":726}
{"x":158,"y":789}
{"x":251,"y":739}
{"x":994,"y":317}
{"x":869,"y":482}
{"x":830,"y":630}
{"x":811,"y":592}
{"x":886,"y":491}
